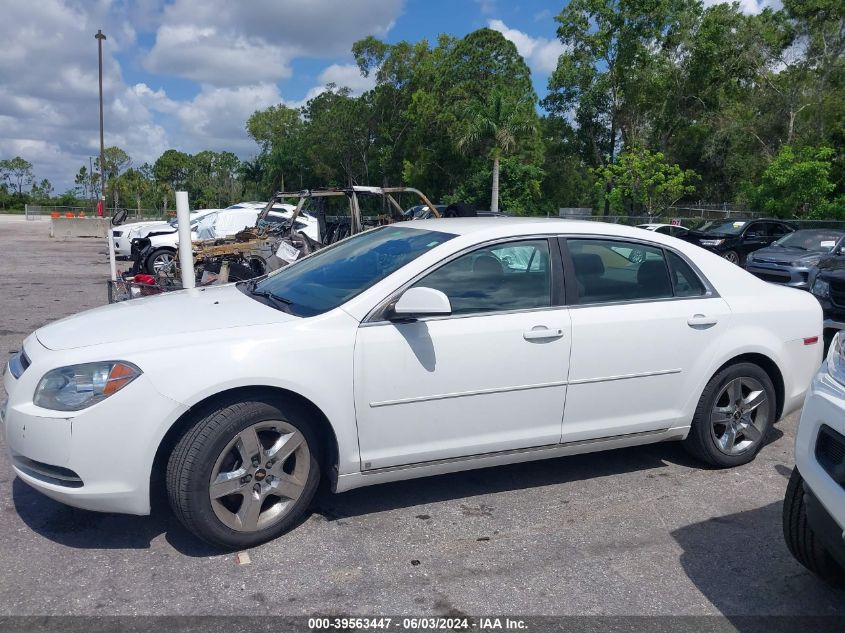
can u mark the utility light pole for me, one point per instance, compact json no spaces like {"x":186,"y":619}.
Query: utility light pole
{"x":102,"y":204}
{"x":100,"y":36}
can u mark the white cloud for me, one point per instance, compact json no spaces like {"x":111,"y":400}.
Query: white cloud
{"x":342,"y":76}
{"x":540,"y":54}
{"x":48,"y":88}
{"x":235,"y":51}
{"x":748,"y":6}
{"x":239,"y":43}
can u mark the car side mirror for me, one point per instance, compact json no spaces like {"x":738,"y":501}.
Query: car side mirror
{"x":420,"y":302}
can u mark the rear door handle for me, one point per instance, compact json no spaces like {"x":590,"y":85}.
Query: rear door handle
{"x":701,"y":319}
{"x":541,"y":332}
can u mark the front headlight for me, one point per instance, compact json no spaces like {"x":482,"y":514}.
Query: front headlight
{"x":821,"y":288}
{"x":79,"y":386}
{"x":711,"y":242}
{"x":836,"y":358}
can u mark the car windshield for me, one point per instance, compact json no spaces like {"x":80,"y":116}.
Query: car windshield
{"x":720,"y":227}
{"x":818,"y":240}
{"x":335,"y":274}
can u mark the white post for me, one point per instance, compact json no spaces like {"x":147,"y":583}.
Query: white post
{"x":112,"y":260}
{"x":186,"y":247}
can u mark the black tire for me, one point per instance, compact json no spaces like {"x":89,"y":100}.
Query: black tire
{"x":800,"y":538}
{"x":192,"y":461}
{"x":701,"y":442}
{"x":149,"y":264}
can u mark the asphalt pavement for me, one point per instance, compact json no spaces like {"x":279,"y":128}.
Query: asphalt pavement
{"x":642,"y":531}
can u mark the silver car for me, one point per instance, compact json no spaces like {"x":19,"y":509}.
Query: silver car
{"x":789,"y":260}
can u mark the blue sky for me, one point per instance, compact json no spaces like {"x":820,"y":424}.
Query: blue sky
{"x":186,"y":74}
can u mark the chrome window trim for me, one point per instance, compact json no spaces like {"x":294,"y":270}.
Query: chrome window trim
{"x":710,"y":290}
{"x":376,"y":315}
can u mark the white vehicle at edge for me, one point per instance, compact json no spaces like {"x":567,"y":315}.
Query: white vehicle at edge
{"x":408,"y":350}
{"x":125,"y":233}
{"x":216,"y":224}
{"x":814,"y":505}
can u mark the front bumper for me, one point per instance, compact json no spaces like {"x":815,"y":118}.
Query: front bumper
{"x":824,"y":406}
{"x":792,"y":276}
{"x":122,"y":246}
{"x":99,"y":458}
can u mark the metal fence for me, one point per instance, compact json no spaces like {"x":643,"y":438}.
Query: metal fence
{"x":696,"y":221}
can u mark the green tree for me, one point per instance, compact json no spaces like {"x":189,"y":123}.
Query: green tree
{"x":171,"y":171}
{"x":17,"y":172}
{"x":494,"y":128}
{"x":641,"y":180}
{"x":797,"y":181}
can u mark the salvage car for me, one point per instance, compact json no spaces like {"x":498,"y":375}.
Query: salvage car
{"x":408,"y":350}
{"x":735,"y":239}
{"x":827,"y":284}
{"x":790,"y":259}
{"x":814,"y":505}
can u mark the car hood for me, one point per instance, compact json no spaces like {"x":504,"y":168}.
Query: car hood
{"x":180,"y":312}
{"x":786,"y":255}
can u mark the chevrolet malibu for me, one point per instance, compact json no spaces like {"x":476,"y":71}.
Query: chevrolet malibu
{"x":404,"y":351}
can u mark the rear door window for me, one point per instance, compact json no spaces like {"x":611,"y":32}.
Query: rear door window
{"x":610,"y":271}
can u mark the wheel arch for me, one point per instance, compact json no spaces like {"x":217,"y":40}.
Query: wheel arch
{"x":771,"y":368}
{"x":328,"y":438}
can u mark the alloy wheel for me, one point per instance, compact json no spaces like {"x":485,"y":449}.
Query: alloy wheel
{"x":163,"y":262}
{"x":739,"y":416}
{"x":259,"y":476}
{"x":732,"y":257}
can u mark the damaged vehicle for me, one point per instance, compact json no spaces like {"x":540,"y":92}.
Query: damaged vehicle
{"x":275,"y":235}
{"x":408,"y":350}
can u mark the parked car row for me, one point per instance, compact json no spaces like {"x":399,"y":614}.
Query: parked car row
{"x":777,"y":252}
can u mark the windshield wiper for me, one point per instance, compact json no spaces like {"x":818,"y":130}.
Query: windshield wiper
{"x":282,"y":303}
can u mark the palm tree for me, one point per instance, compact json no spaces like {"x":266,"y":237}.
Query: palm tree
{"x":495,"y":127}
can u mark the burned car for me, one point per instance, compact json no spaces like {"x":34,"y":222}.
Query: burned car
{"x":280,"y":234}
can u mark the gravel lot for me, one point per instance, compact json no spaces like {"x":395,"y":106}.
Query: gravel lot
{"x":637,"y":531}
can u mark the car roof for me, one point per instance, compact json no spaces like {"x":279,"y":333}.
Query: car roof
{"x":493,"y":227}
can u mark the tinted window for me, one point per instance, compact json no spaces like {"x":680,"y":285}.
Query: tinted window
{"x":334,"y":275}
{"x":684,"y":280}
{"x":511,"y":276}
{"x":610,"y":270}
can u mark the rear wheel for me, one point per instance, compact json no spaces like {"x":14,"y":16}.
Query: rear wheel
{"x":733,"y":416}
{"x":800,"y":538}
{"x":244,"y":473}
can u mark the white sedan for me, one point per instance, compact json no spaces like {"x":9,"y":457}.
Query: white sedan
{"x":407,"y":350}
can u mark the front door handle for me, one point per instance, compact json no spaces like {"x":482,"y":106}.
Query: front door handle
{"x":541,"y":332}
{"x":701,"y":320}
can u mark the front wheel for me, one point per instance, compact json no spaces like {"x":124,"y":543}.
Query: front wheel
{"x":732,"y":257}
{"x":733,"y":416}
{"x":244,"y":473}
{"x":800,"y":538}
{"x":161,"y":260}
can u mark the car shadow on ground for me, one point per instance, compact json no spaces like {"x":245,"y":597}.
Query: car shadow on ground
{"x":740,"y":562}
{"x":82,"y":529}
{"x":536,"y":474}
